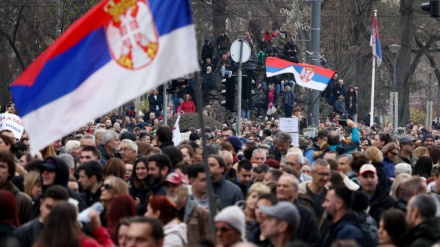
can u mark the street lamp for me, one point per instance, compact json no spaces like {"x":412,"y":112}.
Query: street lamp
{"x":394,"y":97}
{"x":428,"y":121}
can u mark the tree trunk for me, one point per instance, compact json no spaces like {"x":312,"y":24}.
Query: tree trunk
{"x":219,"y":16}
{"x":404,"y":59}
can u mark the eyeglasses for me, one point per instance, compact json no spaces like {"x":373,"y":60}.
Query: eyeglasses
{"x":107,"y":186}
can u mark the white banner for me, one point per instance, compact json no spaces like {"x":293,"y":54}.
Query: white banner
{"x":13,"y":123}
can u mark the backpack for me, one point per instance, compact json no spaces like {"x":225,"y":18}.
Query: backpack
{"x":368,"y":227}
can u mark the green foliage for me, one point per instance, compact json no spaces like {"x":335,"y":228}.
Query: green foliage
{"x":191,"y":120}
{"x":417,"y":115}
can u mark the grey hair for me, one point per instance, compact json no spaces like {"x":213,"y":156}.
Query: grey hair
{"x":108,"y":135}
{"x":68,"y":159}
{"x":259,"y":150}
{"x":132,"y":144}
{"x":89,"y":136}
{"x":98,"y":131}
{"x":320,"y":162}
{"x":282,"y":137}
{"x":348,"y":156}
{"x":299,"y":155}
{"x":403,"y":168}
{"x":72,"y":144}
{"x":293,"y":178}
{"x":425,"y":204}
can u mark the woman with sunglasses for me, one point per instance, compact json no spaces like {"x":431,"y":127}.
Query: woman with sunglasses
{"x":390,"y":152}
{"x":111,"y":188}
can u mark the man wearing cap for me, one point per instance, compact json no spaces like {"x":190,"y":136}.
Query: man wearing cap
{"x":406,"y":149}
{"x":195,"y":217}
{"x":230,"y":226}
{"x":379,"y":199}
{"x":343,"y":225}
{"x":428,"y":140}
{"x":54,"y":171}
{"x":281,"y":222}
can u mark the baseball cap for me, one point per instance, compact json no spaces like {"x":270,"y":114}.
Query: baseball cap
{"x":367,"y":168}
{"x":284,"y":211}
{"x":406,"y":139}
{"x":50,"y":163}
{"x":176,"y":178}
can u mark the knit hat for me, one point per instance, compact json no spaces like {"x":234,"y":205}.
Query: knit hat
{"x":234,"y":216}
{"x":426,"y":136}
{"x":236,"y":143}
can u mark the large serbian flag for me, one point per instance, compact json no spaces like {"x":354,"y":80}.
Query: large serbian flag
{"x":117,"y":51}
{"x":309,"y":76}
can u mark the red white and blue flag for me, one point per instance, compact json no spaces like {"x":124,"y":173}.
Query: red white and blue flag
{"x":306,"y":75}
{"x":116,"y":52}
{"x":375,"y":42}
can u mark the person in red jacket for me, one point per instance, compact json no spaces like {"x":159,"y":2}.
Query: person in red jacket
{"x":187,"y":104}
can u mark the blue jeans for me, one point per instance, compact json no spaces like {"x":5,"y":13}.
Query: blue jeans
{"x":223,"y":71}
{"x":245,"y":113}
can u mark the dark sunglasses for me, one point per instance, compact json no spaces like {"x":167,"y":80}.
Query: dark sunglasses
{"x":107,"y":186}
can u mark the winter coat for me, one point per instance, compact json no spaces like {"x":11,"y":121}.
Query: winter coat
{"x":380,"y":202}
{"x":384,"y":182}
{"x":289,"y":98}
{"x":22,"y":200}
{"x":61,"y":178}
{"x":339,"y":107}
{"x":208,"y":84}
{"x":353,"y":109}
{"x":197,"y":222}
{"x":6,"y":234}
{"x":155,"y":102}
{"x":175,"y":234}
{"x":207,"y":51}
{"x":188,"y":106}
{"x":28,"y":234}
{"x":308,"y":230}
{"x":227,"y":192}
{"x":424,"y":235}
{"x":101,"y":238}
{"x":389,"y":167}
{"x":344,"y":229}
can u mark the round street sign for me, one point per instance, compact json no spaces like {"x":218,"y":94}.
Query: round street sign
{"x":235,"y":51}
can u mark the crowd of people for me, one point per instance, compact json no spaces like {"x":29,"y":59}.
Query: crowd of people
{"x":106,"y":185}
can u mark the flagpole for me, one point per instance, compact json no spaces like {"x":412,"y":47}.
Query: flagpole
{"x":212,"y":208}
{"x":373,"y":80}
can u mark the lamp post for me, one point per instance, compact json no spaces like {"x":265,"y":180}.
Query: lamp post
{"x":394,"y":97}
{"x":428,"y":121}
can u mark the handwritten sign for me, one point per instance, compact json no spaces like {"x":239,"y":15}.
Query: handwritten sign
{"x":289,"y":125}
{"x":13,"y":123}
{"x":295,"y":139}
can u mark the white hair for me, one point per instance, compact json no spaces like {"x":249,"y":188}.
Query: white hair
{"x":132,"y":144}
{"x":403,"y":168}
{"x":71,"y":145}
{"x":299,"y":155}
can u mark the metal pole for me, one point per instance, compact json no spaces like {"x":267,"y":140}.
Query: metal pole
{"x":212,"y":208}
{"x":396,"y":97}
{"x":373,"y":80}
{"x":240,"y":81}
{"x":164,"y":104}
{"x":429,"y":102}
{"x":438,"y":103}
{"x":313,"y":117}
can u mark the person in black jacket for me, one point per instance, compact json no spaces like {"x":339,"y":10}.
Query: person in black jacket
{"x":155,"y":101}
{"x":27,"y":234}
{"x":289,"y":101}
{"x":54,"y":171}
{"x":208,"y":84}
{"x":339,"y":106}
{"x":139,"y":182}
{"x":90,"y":176}
{"x":207,"y":50}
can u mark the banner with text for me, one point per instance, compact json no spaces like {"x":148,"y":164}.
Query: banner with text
{"x":13,"y":123}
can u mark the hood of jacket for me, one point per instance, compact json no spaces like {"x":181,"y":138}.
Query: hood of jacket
{"x":175,"y":229}
{"x":62,"y":172}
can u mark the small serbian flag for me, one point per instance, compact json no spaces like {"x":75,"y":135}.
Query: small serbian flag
{"x":116,"y":52}
{"x":375,"y":42}
{"x":306,"y":75}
